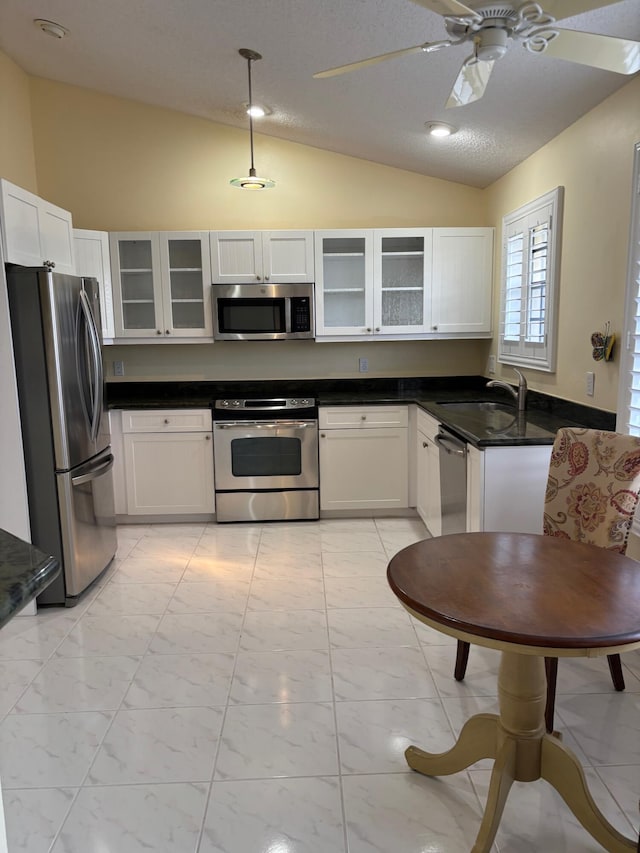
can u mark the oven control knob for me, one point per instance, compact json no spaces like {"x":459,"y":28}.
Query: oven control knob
{"x":305,"y":402}
{"x":293,"y":402}
{"x":236,"y":403}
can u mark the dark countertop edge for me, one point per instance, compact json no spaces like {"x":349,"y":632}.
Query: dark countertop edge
{"x":24,"y":573}
{"x":544,"y":411}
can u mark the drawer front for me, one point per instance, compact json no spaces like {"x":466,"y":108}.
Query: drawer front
{"x":363,"y":417}
{"x":427,"y":424}
{"x":167,"y":420}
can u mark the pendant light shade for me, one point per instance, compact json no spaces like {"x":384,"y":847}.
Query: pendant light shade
{"x":252,"y":181}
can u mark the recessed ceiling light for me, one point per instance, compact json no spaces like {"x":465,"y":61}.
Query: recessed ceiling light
{"x":51,"y":28}
{"x":256,"y":110}
{"x":439,"y":129}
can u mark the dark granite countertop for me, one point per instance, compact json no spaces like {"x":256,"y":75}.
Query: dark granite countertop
{"x":544,"y":415}
{"x":24,"y":573}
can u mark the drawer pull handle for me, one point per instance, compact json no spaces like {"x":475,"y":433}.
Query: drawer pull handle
{"x":424,"y":444}
{"x":166,"y":420}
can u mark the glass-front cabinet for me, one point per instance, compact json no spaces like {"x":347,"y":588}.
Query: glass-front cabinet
{"x":161,"y":284}
{"x":344,"y":273}
{"x":372,"y":282}
{"x":402,"y":272}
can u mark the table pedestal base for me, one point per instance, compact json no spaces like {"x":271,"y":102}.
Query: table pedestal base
{"x":523,"y":752}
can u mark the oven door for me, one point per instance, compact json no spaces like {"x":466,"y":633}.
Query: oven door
{"x":254,"y":455}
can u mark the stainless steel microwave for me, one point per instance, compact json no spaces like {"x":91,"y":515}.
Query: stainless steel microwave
{"x":262,"y":312}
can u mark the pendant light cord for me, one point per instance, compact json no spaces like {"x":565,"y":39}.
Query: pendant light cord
{"x":249,"y":61}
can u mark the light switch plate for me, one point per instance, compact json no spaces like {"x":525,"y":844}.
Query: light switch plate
{"x":118,"y":368}
{"x":491,"y":364}
{"x":591,"y":379}
{"x":363,"y":365}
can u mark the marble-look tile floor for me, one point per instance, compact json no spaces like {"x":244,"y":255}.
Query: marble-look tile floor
{"x":252,"y":688}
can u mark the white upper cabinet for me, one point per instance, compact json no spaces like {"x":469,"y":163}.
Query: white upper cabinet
{"x":344,"y":273}
{"x":240,"y":257}
{"x":162,"y":284}
{"x":399,"y":283}
{"x":92,"y":260}
{"x":34,"y":231}
{"x":462,"y":279}
{"x":402,"y":281}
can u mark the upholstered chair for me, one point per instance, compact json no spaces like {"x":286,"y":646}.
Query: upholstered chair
{"x":592,"y":493}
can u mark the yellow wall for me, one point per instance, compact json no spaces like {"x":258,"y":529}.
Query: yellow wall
{"x":593,"y":160}
{"x":120,"y":165}
{"x":17,"y":161}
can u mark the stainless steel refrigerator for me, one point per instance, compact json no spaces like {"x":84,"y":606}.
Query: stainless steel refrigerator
{"x":57,"y":346}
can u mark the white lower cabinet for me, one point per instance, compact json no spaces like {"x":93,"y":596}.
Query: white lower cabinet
{"x":506,"y":488}
{"x":428,"y":473}
{"x":363,"y":457}
{"x":168,"y":462}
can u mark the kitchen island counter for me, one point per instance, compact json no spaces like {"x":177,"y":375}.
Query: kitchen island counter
{"x":24,"y":573}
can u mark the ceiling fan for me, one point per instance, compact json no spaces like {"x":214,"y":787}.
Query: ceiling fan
{"x":490,"y":27}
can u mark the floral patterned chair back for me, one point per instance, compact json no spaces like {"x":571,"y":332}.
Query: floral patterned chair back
{"x":593,"y":487}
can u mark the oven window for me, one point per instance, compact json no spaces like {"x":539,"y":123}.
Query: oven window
{"x":266,"y":457}
{"x":238,"y":315}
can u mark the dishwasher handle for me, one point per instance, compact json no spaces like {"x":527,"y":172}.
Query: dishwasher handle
{"x":451,"y":444}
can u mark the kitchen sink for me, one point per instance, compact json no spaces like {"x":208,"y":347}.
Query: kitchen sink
{"x":470,"y":406}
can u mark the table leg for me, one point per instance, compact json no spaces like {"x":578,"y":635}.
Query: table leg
{"x":478,"y":739}
{"x":562,"y":770}
{"x":523,"y":752}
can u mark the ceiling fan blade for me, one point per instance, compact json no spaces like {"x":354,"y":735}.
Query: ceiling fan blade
{"x":448,"y":8}
{"x":568,"y":8}
{"x":607,"y":52}
{"x":342,"y":69}
{"x":471,"y":82}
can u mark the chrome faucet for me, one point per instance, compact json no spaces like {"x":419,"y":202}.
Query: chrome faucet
{"x":520,"y":395}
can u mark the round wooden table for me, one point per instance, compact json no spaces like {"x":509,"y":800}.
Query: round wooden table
{"x":529,"y":596}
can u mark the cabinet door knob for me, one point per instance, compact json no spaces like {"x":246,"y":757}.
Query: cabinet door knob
{"x":166,"y":420}
{"x":167,"y":332}
{"x":424,"y":444}
{"x":363,"y":417}
{"x":158,"y":332}
{"x":377,"y":328}
{"x":50,"y":265}
{"x":435,"y":328}
{"x":322,"y":435}
{"x":368,"y":329}
{"x":207,"y":438}
{"x":266,"y":278}
{"x":258,"y":278}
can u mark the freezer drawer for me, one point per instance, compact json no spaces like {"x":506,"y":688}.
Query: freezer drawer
{"x":87,"y":521}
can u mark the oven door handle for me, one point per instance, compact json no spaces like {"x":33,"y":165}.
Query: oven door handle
{"x":265,"y":425}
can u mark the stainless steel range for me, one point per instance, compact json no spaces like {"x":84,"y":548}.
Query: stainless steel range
{"x":266,"y":459}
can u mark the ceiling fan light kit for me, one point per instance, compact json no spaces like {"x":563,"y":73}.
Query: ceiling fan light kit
{"x":251,"y":181}
{"x":491,"y":27}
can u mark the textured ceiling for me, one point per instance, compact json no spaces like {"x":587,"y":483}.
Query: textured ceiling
{"x":182,"y":54}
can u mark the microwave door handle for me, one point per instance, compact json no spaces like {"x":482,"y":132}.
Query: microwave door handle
{"x":287,"y":315}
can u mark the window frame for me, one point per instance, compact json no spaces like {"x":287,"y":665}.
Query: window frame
{"x":545,"y":211}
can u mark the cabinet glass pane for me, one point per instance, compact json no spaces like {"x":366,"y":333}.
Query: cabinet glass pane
{"x":187,"y":315}
{"x":344,"y":281}
{"x":343,"y":309}
{"x":138,"y":315}
{"x":135,"y":254}
{"x":185,"y":254}
{"x":402,"y":308}
{"x":186,"y":284}
{"x":137,"y":285}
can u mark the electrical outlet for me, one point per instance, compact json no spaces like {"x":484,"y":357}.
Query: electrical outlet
{"x":118,"y":368}
{"x":363,"y":365}
{"x":591,"y":379}
{"x":491,"y":364}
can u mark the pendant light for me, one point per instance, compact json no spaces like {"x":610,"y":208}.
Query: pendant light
{"x":252,"y":182}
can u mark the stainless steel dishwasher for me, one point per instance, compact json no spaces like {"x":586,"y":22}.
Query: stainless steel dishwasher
{"x":453,"y":481}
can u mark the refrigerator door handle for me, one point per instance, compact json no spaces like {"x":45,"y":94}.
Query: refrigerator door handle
{"x":94,"y":473}
{"x":97,"y":379}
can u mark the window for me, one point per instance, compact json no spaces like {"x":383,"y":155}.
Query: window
{"x":530,"y":276}
{"x":629,"y":395}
